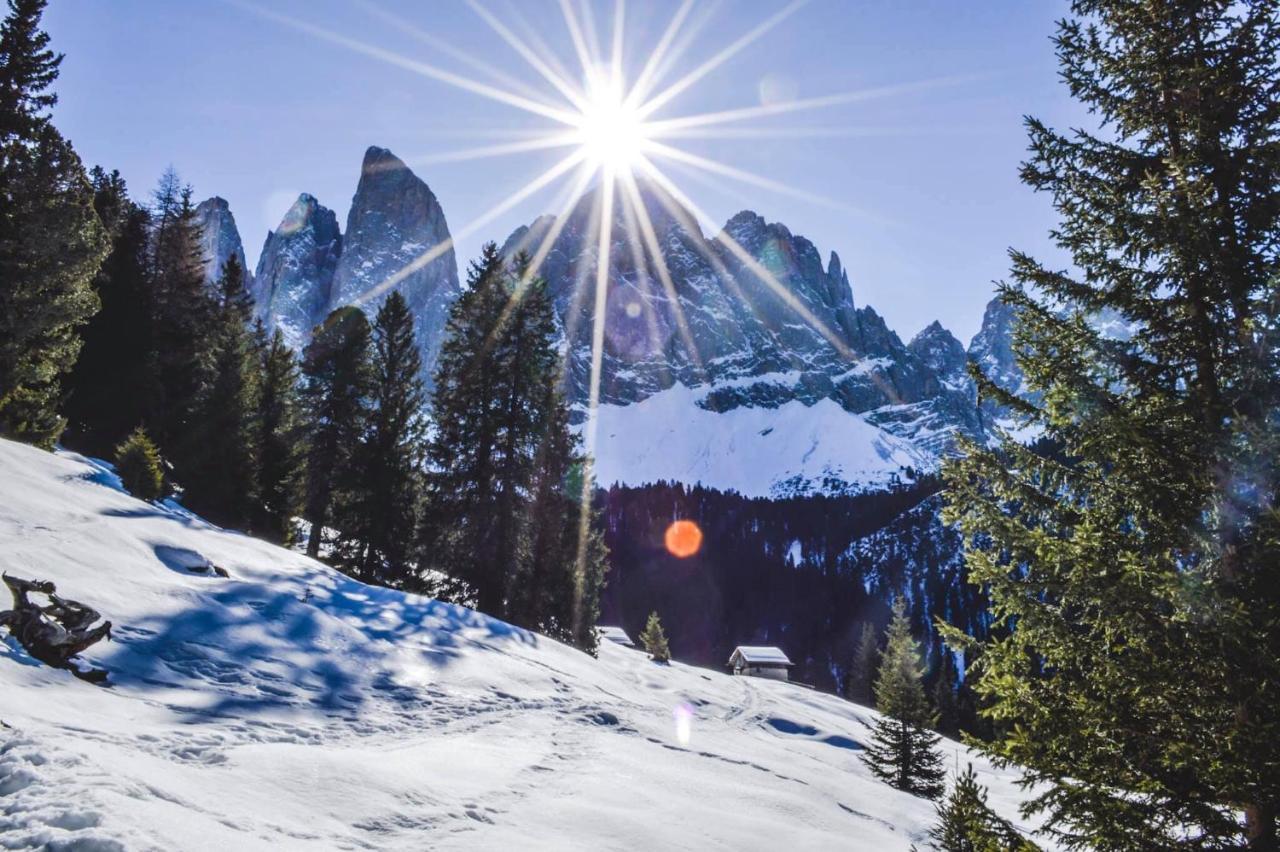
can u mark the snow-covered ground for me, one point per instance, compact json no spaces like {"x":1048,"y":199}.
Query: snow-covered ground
{"x":788,"y":450}
{"x":287,"y":707}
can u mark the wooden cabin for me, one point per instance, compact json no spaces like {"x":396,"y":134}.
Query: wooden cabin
{"x":616,"y":634}
{"x":760,"y":661}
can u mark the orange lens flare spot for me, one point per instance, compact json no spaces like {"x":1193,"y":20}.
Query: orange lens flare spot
{"x":683,"y":539}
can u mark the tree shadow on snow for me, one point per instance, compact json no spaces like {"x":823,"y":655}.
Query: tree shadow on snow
{"x":312,"y":639}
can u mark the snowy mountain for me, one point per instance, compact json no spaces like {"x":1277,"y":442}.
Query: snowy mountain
{"x":720,"y":339}
{"x":703,"y":334}
{"x":287,"y":706}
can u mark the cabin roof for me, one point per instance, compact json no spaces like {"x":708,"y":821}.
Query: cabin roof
{"x":761,"y":654}
{"x":615,"y":634}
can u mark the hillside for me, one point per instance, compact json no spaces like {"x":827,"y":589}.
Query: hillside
{"x":290,"y":707}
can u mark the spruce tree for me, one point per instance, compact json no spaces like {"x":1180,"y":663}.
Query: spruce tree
{"x":459,"y":535}
{"x":280,"y":437}
{"x":903,"y":751}
{"x":183,"y":324}
{"x":222,"y":478}
{"x":377,"y":536}
{"x":945,"y":686}
{"x":654,"y":640}
{"x":862,"y":671}
{"x":336,"y":389}
{"x":139,"y":466}
{"x":966,"y":823}
{"x":51,"y":242}
{"x":103,"y":399}
{"x":1133,"y":560}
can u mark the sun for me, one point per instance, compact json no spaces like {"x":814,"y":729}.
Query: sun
{"x":610,"y":129}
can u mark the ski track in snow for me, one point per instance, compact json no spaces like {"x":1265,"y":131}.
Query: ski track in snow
{"x":289,"y":707}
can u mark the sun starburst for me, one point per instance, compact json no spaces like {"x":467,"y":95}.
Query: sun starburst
{"x":616,"y":135}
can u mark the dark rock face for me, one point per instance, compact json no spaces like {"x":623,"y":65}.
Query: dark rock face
{"x":761,"y":326}
{"x":941,"y":352}
{"x":295,"y":271}
{"x":397,"y":239}
{"x":220,"y":239}
{"x":992,"y":350}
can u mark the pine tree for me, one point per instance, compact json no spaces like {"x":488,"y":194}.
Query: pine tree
{"x":462,"y":518}
{"x":51,"y":242}
{"x":183,"y":325}
{"x":966,"y":822}
{"x":139,"y":466}
{"x":280,"y":450}
{"x":1134,"y":563}
{"x":945,"y":686}
{"x":377,"y":540}
{"x":103,"y":402}
{"x":337,"y":384}
{"x":655,"y":640}
{"x":862,"y":672}
{"x":903,"y":751}
{"x":222,"y":478}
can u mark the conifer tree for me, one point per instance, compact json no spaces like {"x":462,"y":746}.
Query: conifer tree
{"x":377,"y":536}
{"x":966,"y":823}
{"x":862,"y":672}
{"x":337,"y":383}
{"x":462,"y":517}
{"x":280,"y":449}
{"x":1134,"y":570}
{"x":903,"y":751}
{"x":655,"y":640}
{"x":51,"y":242}
{"x":182,"y":322}
{"x":139,"y":466}
{"x":103,"y":402}
{"x":222,"y":479}
{"x":945,"y":686}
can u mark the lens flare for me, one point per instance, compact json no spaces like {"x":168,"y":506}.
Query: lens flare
{"x":683,"y":539}
{"x":683,"y":716}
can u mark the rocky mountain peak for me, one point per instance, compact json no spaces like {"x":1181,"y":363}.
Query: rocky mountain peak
{"x":295,"y":270}
{"x":397,"y":239}
{"x":220,"y":239}
{"x":941,"y":352}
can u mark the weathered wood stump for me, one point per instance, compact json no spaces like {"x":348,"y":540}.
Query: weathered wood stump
{"x":55,"y":633}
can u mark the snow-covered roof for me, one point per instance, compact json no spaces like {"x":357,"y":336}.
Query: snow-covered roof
{"x":764,"y":654}
{"x":615,"y":634}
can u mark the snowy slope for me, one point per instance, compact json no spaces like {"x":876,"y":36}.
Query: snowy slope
{"x":288,"y":707}
{"x":759,"y":451}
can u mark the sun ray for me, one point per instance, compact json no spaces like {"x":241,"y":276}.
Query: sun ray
{"x":436,"y":43}
{"x":566,"y":203}
{"x":753,"y":179}
{"x":650,"y":238}
{"x":573,"y":95}
{"x":658,"y":100}
{"x":542,"y":143}
{"x":576,"y":36}
{"x":661,"y":127}
{"x":644,"y":281}
{"x":422,"y":68}
{"x":651,"y":65}
{"x":590,"y":33}
{"x":615,"y":50}
{"x":744,"y":257}
{"x":474,"y":225}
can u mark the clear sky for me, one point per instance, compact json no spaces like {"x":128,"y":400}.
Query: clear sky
{"x":924,"y":186}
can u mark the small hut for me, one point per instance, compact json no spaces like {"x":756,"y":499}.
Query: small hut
{"x":760,"y":661}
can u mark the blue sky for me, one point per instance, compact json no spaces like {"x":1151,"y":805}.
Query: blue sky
{"x":924,"y":182}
